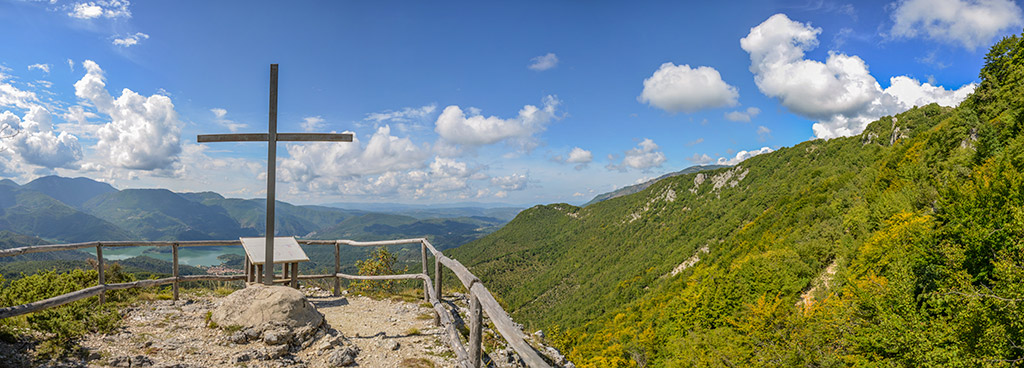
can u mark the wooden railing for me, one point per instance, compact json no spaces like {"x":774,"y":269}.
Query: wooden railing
{"x":480,"y":299}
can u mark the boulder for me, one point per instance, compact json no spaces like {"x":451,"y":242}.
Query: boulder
{"x":259,"y":304}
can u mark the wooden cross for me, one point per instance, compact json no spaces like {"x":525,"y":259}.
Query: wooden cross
{"x":272,"y":137}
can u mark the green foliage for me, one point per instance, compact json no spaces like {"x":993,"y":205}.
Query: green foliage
{"x":70,"y":321}
{"x":381,"y":262}
{"x":903,"y":246}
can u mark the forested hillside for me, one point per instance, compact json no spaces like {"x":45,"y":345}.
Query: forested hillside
{"x":901,"y":246}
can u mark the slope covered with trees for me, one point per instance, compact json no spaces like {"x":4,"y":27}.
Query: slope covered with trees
{"x":902,"y":246}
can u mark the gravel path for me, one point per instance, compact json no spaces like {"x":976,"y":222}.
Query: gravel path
{"x":167,"y":334}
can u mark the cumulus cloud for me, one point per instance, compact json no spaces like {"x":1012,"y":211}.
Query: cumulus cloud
{"x":381,"y":153}
{"x":840,"y":93}
{"x":45,"y":68}
{"x":742,"y":155}
{"x":743,"y":116}
{"x":143,"y":133}
{"x":511,"y":182}
{"x":130,"y":40}
{"x":103,"y":8}
{"x":312,"y":123}
{"x":578,"y":156}
{"x":455,"y":126}
{"x":644,"y":156}
{"x":543,"y":62}
{"x":36,"y":142}
{"x":676,"y":88}
{"x":970,"y":23}
{"x":219,"y":117}
{"x":700,"y":159}
{"x":71,"y":65}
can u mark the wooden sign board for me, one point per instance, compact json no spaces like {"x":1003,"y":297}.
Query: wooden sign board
{"x":286,"y":250}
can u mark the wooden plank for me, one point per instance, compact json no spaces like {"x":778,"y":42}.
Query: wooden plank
{"x":99,"y":267}
{"x":174,"y":269}
{"x":238,"y":137}
{"x":438,"y":270}
{"x":337,"y":268}
{"x":314,"y":137}
{"x":295,"y":275}
{"x":379,"y":242}
{"x":448,"y":321}
{"x":51,"y":302}
{"x":423,"y":259}
{"x":268,"y":278}
{"x":45,"y":248}
{"x":475,"y":329}
{"x":503,"y":323}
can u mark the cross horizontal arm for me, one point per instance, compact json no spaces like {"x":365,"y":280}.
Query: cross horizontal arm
{"x":263,"y":137}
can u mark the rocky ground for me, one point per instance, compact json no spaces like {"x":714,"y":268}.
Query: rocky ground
{"x":356,"y":331}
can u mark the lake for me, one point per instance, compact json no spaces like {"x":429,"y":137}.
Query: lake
{"x":190,"y":256}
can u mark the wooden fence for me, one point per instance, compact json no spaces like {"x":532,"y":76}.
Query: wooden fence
{"x":481,"y":300}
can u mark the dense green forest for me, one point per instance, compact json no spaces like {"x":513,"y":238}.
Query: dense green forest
{"x":902,"y":246}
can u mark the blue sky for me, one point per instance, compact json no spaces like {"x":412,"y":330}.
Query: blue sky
{"x":524,"y":103}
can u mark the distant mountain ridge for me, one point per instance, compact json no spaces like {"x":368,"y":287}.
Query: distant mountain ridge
{"x":636,"y":188}
{"x":58,"y":209}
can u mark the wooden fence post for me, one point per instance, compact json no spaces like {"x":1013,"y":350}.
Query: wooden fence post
{"x":437,"y":286}
{"x":337,"y":268}
{"x":295,"y":275}
{"x":475,"y":330}
{"x":99,"y":266}
{"x":423,"y":257}
{"x":174,"y":268}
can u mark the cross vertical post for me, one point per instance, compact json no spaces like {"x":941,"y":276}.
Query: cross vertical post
{"x":268,"y":276}
{"x":265,"y":272}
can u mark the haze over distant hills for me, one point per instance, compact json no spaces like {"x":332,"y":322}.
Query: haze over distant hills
{"x":55,"y":209}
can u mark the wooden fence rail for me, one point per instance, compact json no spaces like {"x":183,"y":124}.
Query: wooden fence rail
{"x":480,"y":299}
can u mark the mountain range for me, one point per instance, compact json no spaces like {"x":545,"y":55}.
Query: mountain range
{"x":900,"y":246}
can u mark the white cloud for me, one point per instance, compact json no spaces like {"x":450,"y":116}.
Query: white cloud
{"x":700,"y":159}
{"x":103,"y":8}
{"x":37,"y":143}
{"x":312,"y":123}
{"x":742,"y":155}
{"x":382,"y":153}
{"x":13,"y":96}
{"x":78,"y":114}
{"x":45,"y":68}
{"x":763,"y":133}
{"x":511,"y":182}
{"x":971,"y":23}
{"x":679,"y":88}
{"x":840,"y":94}
{"x":743,"y":116}
{"x":544,"y":62}
{"x":405,"y":115}
{"x":644,"y":157}
{"x":456,"y":127}
{"x":71,"y":65}
{"x":143,"y":133}
{"x":579,"y":156}
{"x":130,"y":40}
{"x":219,"y":118}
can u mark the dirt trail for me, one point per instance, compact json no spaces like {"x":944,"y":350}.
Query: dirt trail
{"x":168,"y":334}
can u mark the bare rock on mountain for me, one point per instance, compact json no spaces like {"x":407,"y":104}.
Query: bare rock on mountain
{"x":261,"y":305}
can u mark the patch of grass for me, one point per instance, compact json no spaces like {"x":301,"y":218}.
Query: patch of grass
{"x":413,"y":331}
{"x":208,"y":319}
{"x":230,"y":329}
{"x":417,"y":363}
{"x":426,"y":305}
{"x":224,"y":291}
{"x":166,"y":295}
{"x":425,"y":316}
